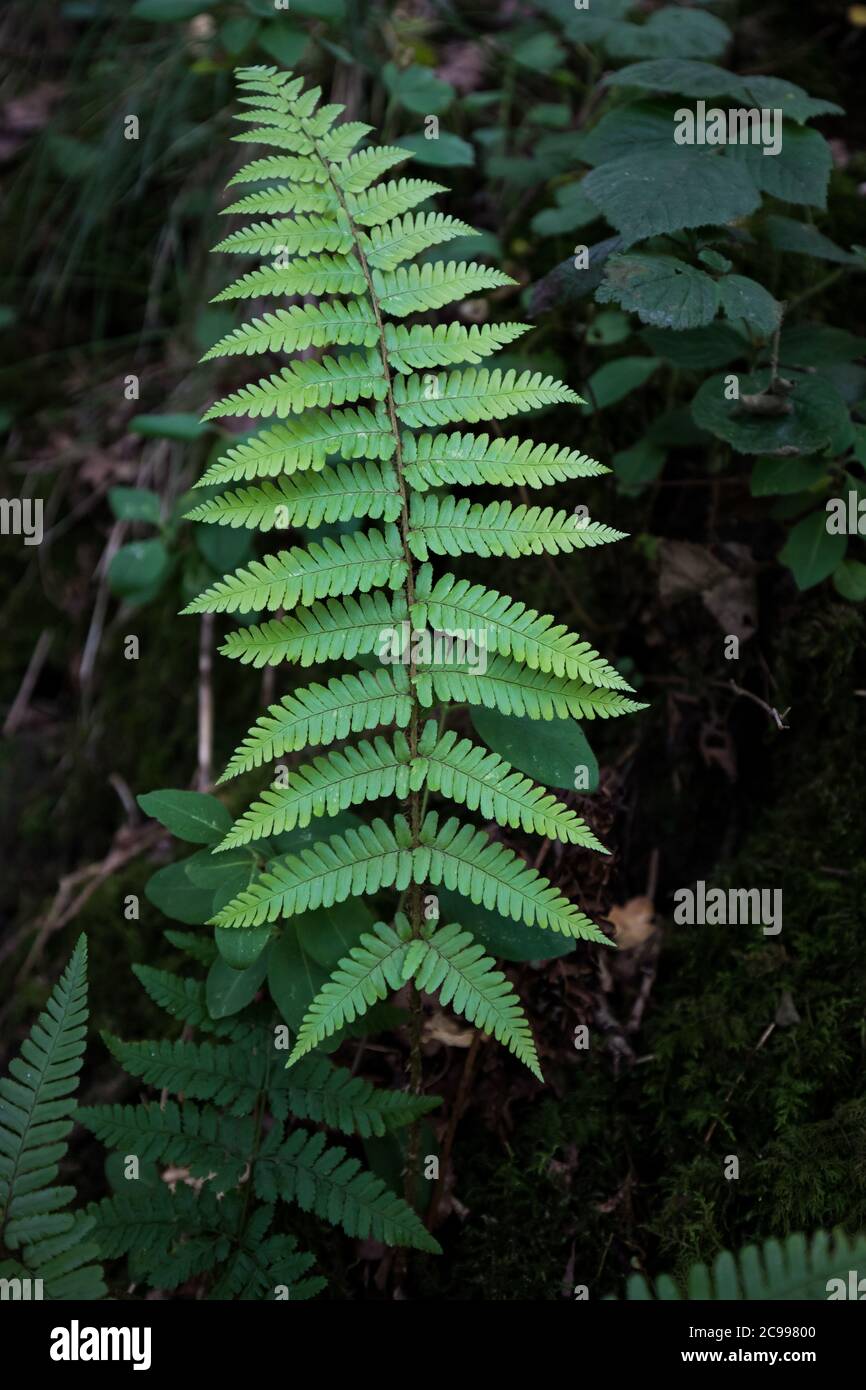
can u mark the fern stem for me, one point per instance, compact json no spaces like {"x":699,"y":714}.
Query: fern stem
{"x":414,"y":913}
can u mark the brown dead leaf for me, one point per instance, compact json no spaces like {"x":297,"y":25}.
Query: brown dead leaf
{"x":633,"y":923}
{"x":440,"y":1027}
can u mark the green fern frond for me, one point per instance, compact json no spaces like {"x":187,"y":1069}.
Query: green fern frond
{"x":390,"y":245}
{"x":372,"y":970}
{"x":797,"y":1268}
{"x":231,"y":1077}
{"x":441,"y":460}
{"x":377,"y":856}
{"x":422,"y":345}
{"x":333,"y":381}
{"x":357,"y":773}
{"x":451,"y":964}
{"x":314,"y":275}
{"x":320,"y":714}
{"x":328,"y":631}
{"x":482,"y":781}
{"x":477,"y":394}
{"x":414,"y":289}
{"x":316,"y":1090}
{"x":296,"y":236}
{"x":512,"y":629}
{"x":301,"y":326}
{"x":519,"y":690}
{"x":200,"y":1139}
{"x":326,"y":1181}
{"x":456,"y":526}
{"x":364,"y":560}
{"x":375,"y":206}
{"x":305,"y":444}
{"x":335,"y":494}
{"x":37,"y":1106}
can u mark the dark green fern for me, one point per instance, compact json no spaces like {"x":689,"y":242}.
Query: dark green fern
{"x":797,"y":1268}
{"x":44,"y":1241}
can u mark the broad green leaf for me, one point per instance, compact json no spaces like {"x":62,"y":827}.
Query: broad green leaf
{"x":798,"y":173}
{"x":282,"y":42}
{"x":818,"y":345}
{"x":172,"y":891}
{"x":690,"y":78}
{"x":672,"y":32}
{"x":240,"y":949}
{"x":643,"y":197}
{"x":811,"y":553}
{"x":134,"y":504}
{"x":138,"y":569}
{"x":697,"y":349}
{"x":773,"y":477}
{"x":573,"y":209}
{"x":191,"y":816}
{"x":502,"y":937}
{"x":609,"y":328}
{"x":294,"y":978}
{"x":418,"y":89}
{"x":228,"y":991}
{"x":553,"y":751}
{"x":182,"y":428}
{"x":447,"y":151}
{"x":329,"y":933}
{"x":816,"y":412}
{"x":849,"y":580}
{"x":742,"y":298}
{"x":639,"y":465}
{"x":801,"y":238}
{"x":662,"y":290}
{"x":615,"y":380}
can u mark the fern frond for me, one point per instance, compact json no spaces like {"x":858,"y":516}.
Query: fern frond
{"x":375,"y":206}
{"x":514,"y":689}
{"x":476,"y":394}
{"x":406,"y":237}
{"x":334,"y":494}
{"x":229,"y":1076}
{"x":441,"y":460}
{"x":512,"y":629}
{"x":301,"y":235}
{"x":303,"y":444}
{"x":412,"y":289}
{"x":482,"y":781}
{"x":333,"y":381}
{"x":313,"y":275}
{"x":184,"y":998}
{"x":456,"y":526}
{"x":357,"y":773}
{"x":373,"y":857}
{"x":317,"y":1090}
{"x":422,"y":345}
{"x":797,"y":1268}
{"x":363,"y":561}
{"x":451,"y":964}
{"x":199,"y":1138}
{"x":326,"y":1181}
{"x":370,"y":971}
{"x":37,"y":1105}
{"x":338,"y":628}
{"x":285,"y":198}
{"x":331,"y":324}
{"x":320,"y":714}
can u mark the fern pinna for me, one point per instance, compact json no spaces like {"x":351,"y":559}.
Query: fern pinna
{"x":364,"y":436}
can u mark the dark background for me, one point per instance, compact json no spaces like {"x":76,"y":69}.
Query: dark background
{"x":618,"y":1161}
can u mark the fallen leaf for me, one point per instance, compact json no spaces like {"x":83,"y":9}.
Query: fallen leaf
{"x":633,"y":922}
